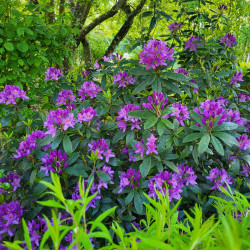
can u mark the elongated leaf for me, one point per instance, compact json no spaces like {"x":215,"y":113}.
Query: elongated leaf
{"x":51,"y":203}
{"x":141,"y":114}
{"x":138,"y":203}
{"x":196,"y":117}
{"x":129,"y":198}
{"x":145,"y":166}
{"x":226,"y":137}
{"x":217,"y":145}
{"x":67,"y":145}
{"x":160,"y":128}
{"x":226,"y":126}
{"x":118,"y":136}
{"x":150,"y":122}
{"x":144,"y":85}
{"x":167,"y":123}
{"x":172,"y":166}
{"x":103,"y":176}
{"x":203,"y":144}
{"x":57,"y":141}
{"x":176,"y":76}
{"x":192,"y":137}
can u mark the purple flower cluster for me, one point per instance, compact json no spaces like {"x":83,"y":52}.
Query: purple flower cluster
{"x":151,"y":147}
{"x":64,"y":96}
{"x":89,"y":89}
{"x":111,"y":57}
{"x":12,"y":179}
{"x":222,"y":7}
{"x":11,"y":93}
{"x":185,"y":72}
{"x":219,"y":178}
{"x":85,"y":73}
{"x":96,"y":65}
{"x":155,"y":53}
{"x":123,"y":79}
{"x":130,"y":152}
{"x":222,"y":101}
{"x":52,"y":74}
{"x":54,"y":161}
{"x":125,"y":120}
{"x":244,"y":142}
{"x":181,"y":113}
{"x":234,"y":116}
{"x":26,"y":147}
{"x":158,"y":102}
{"x":10,"y":217}
{"x":174,"y":26}
{"x":101,"y":148}
{"x":103,"y":184}
{"x":58,"y":117}
{"x":173,"y":181}
{"x":229,"y":40}
{"x":243,"y":97}
{"x":237,"y":77}
{"x":130,"y":178}
{"x":246,"y":170}
{"x":86,"y":115}
{"x":191,"y":44}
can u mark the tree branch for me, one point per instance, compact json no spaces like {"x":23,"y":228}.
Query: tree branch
{"x":124,"y":29}
{"x":100,"y":19}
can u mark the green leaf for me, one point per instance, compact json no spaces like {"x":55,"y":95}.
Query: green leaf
{"x":51,"y":203}
{"x":196,"y":117}
{"x":186,"y":151}
{"x":103,"y":176}
{"x":20,"y":31}
{"x":226,"y":126}
{"x":46,"y":140}
{"x":73,"y":158}
{"x":226,"y":137}
{"x":145,"y":166}
{"x":144,"y":85}
{"x":76,"y":170}
{"x":23,"y":47}
{"x":67,"y":145}
{"x":160,"y":128}
{"x":150,"y":123}
{"x":176,"y":76}
{"x":20,"y":62}
{"x":129,"y":198}
{"x":57,"y":141}
{"x":167,"y":123}
{"x":141,"y":114}
{"x":118,"y":136}
{"x":203,"y":144}
{"x":9,"y":46}
{"x":171,"y":165}
{"x":192,"y":137}
{"x":138,"y":203}
{"x":26,"y":235}
{"x":217,"y":145}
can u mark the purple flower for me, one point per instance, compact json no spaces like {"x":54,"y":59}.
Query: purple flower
{"x":174,"y":26}
{"x":243,"y":97}
{"x":86,"y":115}
{"x":155,"y":53}
{"x":129,"y":178}
{"x":54,"y":162}
{"x":237,"y":77}
{"x":181,"y":113}
{"x":140,"y":149}
{"x":191,"y":44}
{"x":64,"y":96}
{"x":156,"y":103}
{"x":244,"y":142}
{"x":187,"y":174}
{"x":89,"y":89}
{"x":11,"y":93}
{"x":96,"y":65}
{"x":229,"y":40}
{"x":103,"y":184}
{"x":222,"y":7}
{"x":12,"y":179}
{"x":101,"y":148}
{"x":246,"y":171}
{"x":58,"y":117}
{"x":85,"y":73}
{"x":52,"y":74}
{"x":151,"y":145}
{"x":219,"y":178}
{"x":125,"y":120}
{"x":10,"y":217}
{"x":26,"y":147}
{"x":222,"y":101}
{"x":123,"y":79}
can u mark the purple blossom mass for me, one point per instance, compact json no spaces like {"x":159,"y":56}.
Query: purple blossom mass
{"x":229,"y":40}
{"x":173,"y":181}
{"x":151,"y":145}
{"x":236,"y":78}
{"x":102,"y":184}
{"x":246,"y":171}
{"x":101,"y":148}
{"x":86,"y":115}
{"x":96,"y":65}
{"x":181,"y":113}
{"x":55,"y":161}
{"x":129,"y":179}
{"x":174,"y":26}
{"x":26,"y":147}
{"x":52,"y":74}
{"x":89,"y":89}
{"x":10,"y":218}
{"x":158,"y":102}
{"x":222,"y":7}
{"x":58,"y":117}
{"x":10,"y":94}
{"x":85,"y":73}
{"x":191,"y":44}
{"x":243,"y":97}
{"x":123,"y":79}
{"x":64,"y":97}
{"x":155,"y":53}
{"x":244,"y":142}
{"x":12,"y":179}
{"x":219,"y":178}
{"x":125,"y":120}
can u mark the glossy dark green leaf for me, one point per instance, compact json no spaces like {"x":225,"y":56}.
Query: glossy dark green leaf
{"x":203,"y":144}
{"x":217,"y":145}
{"x":67,"y":145}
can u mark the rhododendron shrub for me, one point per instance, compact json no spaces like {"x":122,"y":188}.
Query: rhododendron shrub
{"x":128,"y":127}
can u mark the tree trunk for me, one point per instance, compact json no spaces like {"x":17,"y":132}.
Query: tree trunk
{"x":51,"y":15}
{"x":87,"y":53}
